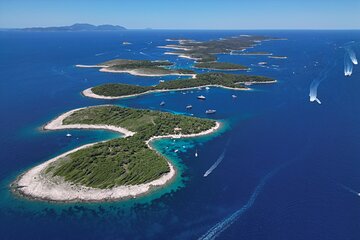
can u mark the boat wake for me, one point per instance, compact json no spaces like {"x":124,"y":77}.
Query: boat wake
{"x":220,"y":227}
{"x":349,"y":58}
{"x":315,"y":84}
{"x":218,"y":161}
{"x":348,"y":67}
{"x":349,"y":189}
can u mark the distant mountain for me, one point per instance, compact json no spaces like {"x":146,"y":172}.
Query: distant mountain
{"x":76,"y":28}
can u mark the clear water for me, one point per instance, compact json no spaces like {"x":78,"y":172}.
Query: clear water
{"x":289,"y":164}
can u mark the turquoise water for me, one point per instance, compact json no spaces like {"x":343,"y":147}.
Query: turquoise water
{"x":288,"y":165}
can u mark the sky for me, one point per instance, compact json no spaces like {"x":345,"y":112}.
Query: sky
{"x":184,"y":14}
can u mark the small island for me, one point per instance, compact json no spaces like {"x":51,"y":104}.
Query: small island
{"x":139,"y":68}
{"x":115,"y":169}
{"x":206,"y":51}
{"x":223,"y":80}
{"x":220,"y":66}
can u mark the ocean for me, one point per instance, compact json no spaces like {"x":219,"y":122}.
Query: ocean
{"x":283,"y":167}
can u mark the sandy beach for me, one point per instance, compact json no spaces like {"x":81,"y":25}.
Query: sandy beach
{"x":135,"y":72}
{"x":36,"y":184}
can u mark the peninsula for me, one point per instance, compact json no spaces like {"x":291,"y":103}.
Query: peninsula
{"x":139,"y":68}
{"x":115,"y":169}
{"x":230,"y":81}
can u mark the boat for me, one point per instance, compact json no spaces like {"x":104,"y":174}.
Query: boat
{"x":248,"y":84}
{"x":189,"y":107}
{"x":262,"y":63}
{"x":162,"y":103}
{"x":161,"y":81}
{"x":233,"y":96}
{"x":196,"y":153}
{"x":68,"y":135}
{"x":207,"y":88}
{"x":176,"y":150}
{"x":210,"y":111}
{"x":201,"y":97}
{"x":126,"y":43}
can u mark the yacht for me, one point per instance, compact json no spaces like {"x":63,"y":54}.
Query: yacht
{"x":201,"y":97}
{"x":189,"y":107}
{"x":210,"y":111}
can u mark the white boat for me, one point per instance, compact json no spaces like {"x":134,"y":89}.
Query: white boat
{"x":207,"y":88}
{"x":162,"y":103}
{"x":196,"y":153}
{"x":262,"y":63}
{"x":210,"y":111}
{"x":201,"y":97}
{"x":189,"y":107}
{"x":233,"y":96}
{"x":68,"y":135}
{"x":176,"y":150}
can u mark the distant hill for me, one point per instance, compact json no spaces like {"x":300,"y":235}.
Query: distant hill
{"x":75,"y":28}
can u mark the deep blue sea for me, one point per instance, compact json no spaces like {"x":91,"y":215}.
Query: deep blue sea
{"x":290,"y":168}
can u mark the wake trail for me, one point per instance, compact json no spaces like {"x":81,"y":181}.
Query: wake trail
{"x":315,"y":84}
{"x":349,"y":189}
{"x":220,"y":227}
{"x":218,"y":161}
{"x":348,"y":66}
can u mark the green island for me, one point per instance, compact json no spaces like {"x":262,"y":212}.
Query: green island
{"x":123,"y":161}
{"x":235,"y":81}
{"x":140,"y":67}
{"x":220,"y":66}
{"x":206,"y":51}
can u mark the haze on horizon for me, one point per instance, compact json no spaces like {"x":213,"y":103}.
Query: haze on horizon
{"x":199,"y":14}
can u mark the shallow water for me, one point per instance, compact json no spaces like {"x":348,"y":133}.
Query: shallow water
{"x":273,"y":125}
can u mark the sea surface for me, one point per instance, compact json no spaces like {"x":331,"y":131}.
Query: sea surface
{"x":282,"y":167}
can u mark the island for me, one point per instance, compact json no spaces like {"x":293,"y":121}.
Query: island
{"x":77,"y":27}
{"x":220,"y":66}
{"x":223,"y":80}
{"x":139,"y":68}
{"x":206,"y":51}
{"x":116,"y":169}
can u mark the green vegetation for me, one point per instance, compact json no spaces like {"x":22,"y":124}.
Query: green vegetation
{"x":206,"y":51}
{"x":220,"y":66}
{"x":123,"y":161}
{"x":143,"y":67}
{"x":223,"y":79}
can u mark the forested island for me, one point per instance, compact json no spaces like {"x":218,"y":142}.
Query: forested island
{"x":109,"y":170}
{"x":220,"y":66}
{"x":139,"y":67}
{"x":206,"y":51}
{"x":233,"y":81}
